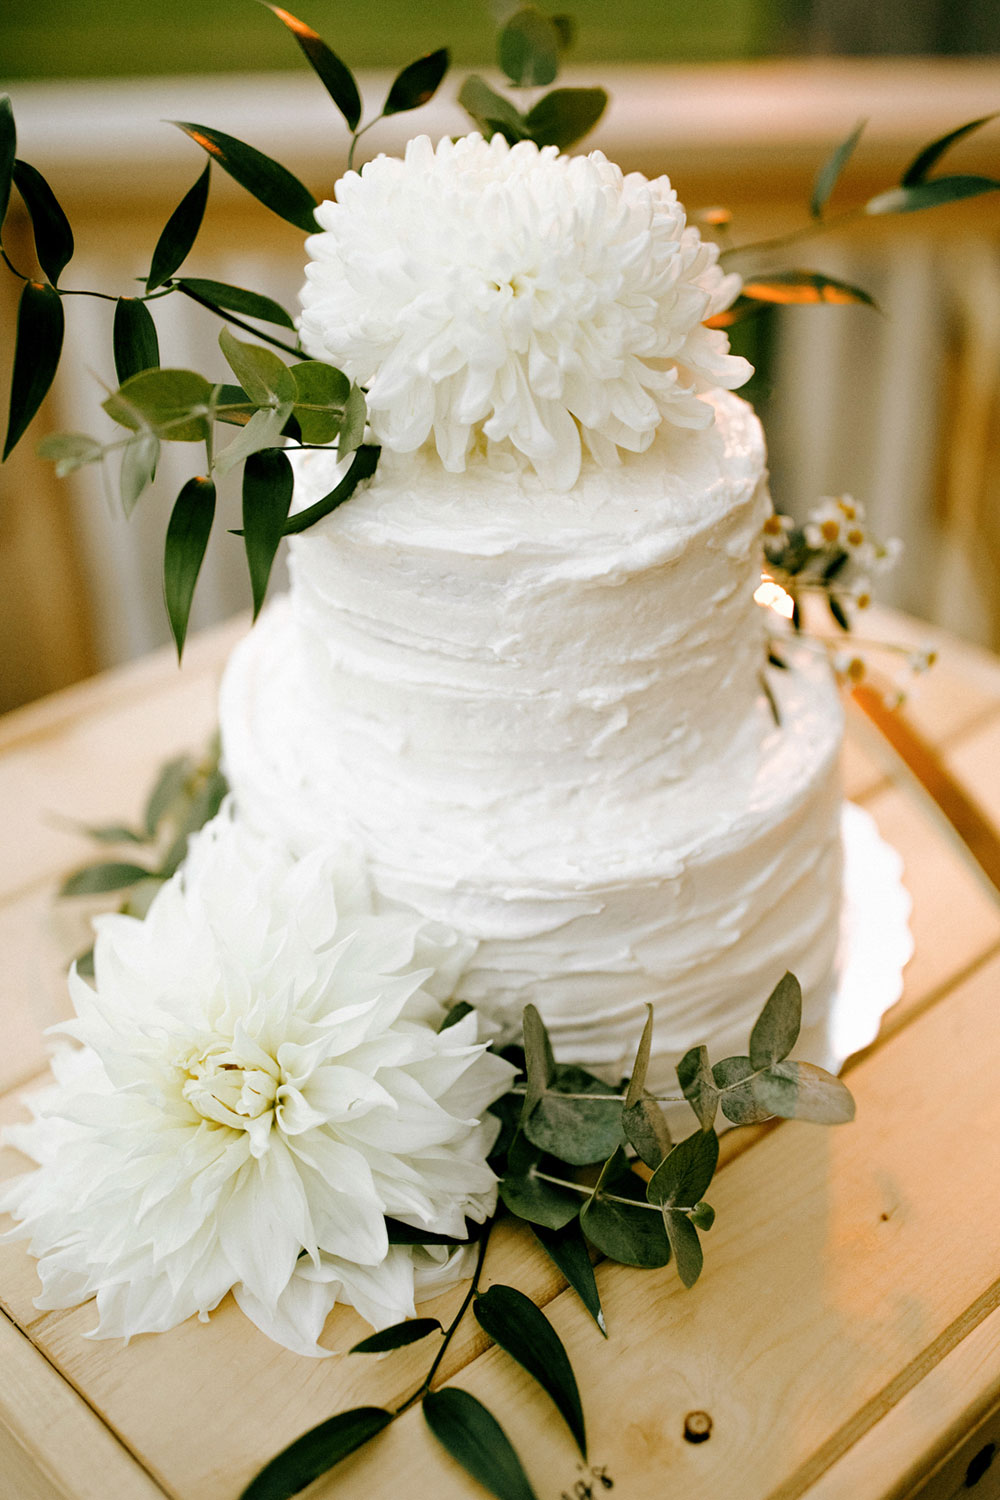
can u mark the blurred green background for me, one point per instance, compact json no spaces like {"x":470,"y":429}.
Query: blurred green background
{"x":84,"y":38}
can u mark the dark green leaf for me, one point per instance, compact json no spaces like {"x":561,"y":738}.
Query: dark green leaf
{"x":737,"y":1097}
{"x":335,"y":76}
{"x":235,"y":299}
{"x":456,"y":1013}
{"x":136,"y":345}
{"x":362,"y":467}
{"x":575,"y":1130}
{"x":776,"y":1029}
{"x":564,"y":116}
{"x":270,"y":183}
{"x":698,"y":1086}
{"x":475,"y":1439}
{"x":627,"y":1232}
{"x":907,"y":200}
{"x":397,"y":1337}
{"x":406,"y":1234}
{"x":528,"y":1196}
{"x":69,"y":451}
{"x":803,"y":287}
{"x":703,"y":1215}
{"x":40,"y":325}
{"x":96,"y":880}
{"x":838,"y":612}
{"x":315,"y":1452}
{"x":646,"y":1130}
{"x":685,"y":1244}
{"x":490,"y":109}
{"x":514,"y":1322}
{"x":267,"y":496}
{"x":528,"y":49}
{"x":928,"y":158}
{"x":682,"y":1179}
{"x":568,"y":1249}
{"x":139,"y":459}
{"x":8,"y":152}
{"x":829,"y":172}
{"x":539,"y":1064}
{"x":417,"y":83}
{"x":565,"y":29}
{"x":265,"y":378}
{"x":321,"y":396}
{"x":801,"y":1091}
{"x":114,"y":833}
{"x":179,"y":233}
{"x":637,"y":1083}
{"x":167,"y":788}
{"x":739,"y":311}
{"x":53,"y":236}
{"x":176,"y":402}
{"x":188,"y":531}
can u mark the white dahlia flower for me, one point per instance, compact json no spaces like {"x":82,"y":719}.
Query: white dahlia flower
{"x":520,"y":293}
{"x":261,"y":1082}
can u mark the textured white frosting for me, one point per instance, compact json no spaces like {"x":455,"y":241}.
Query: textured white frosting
{"x":540,"y":714}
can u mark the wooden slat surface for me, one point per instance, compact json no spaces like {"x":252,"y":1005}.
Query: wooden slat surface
{"x":819,"y":1324}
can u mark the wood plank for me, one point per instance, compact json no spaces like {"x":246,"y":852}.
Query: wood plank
{"x":838,"y":1256}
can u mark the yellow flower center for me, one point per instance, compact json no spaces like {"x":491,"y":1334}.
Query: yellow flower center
{"x":222,"y":1087}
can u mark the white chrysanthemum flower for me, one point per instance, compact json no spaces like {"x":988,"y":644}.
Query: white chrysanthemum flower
{"x":261,"y":1083}
{"x":520,"y":293}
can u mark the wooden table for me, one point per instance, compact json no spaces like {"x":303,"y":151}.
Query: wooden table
{"x":845,"y":1338}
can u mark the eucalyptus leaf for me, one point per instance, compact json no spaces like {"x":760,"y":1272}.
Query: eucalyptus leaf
{"x":528,"y":49}
{"x":188,"y":531}
{"x":37,"y":347}
{"x":682,"y":1178}
{"x":263,"y":430}
{"x":685,"y":1244}
{"x":539,"y":1063}
{"x":315,"y":1452}
{"x":694,"y":1075}
{"x":514,"y":1322}
{"x":568,"y":1249}
{"x":578,"y":1131}
{"x":170,"y":784}
{"x":99,"y":879}
{"x":265,"y":378}
{"x":475,"y":1439}
{"x":70,"y":450}
{"x":362,"y":467}
{"x":53,"y":236}
{"x":802,"y":1091}
{"x":234,"y":299}
{"x":321,"y":394}
{"x":734,"y":1079}
{"x":8,"y":153}
{"x":179,"y":233}
{"x":488,"y":108}
{"x":528,"y":1196}
{"x":564,"y":116}
{"x":625,"y":1232}
{"x":418,"y":82}
{"x":335,"y":76}
{"x":702,"y":1215}
{"x":267,"y":498}
{"x":352,"y":425}
{"x":929,"y":194}
{"x":138,"y":468}
{"x":136,"y":346}
{"x":928,"y":158}
{"x":776,"y":1029}
{"x":268,"y":181}
{"x":174,"y":402}
{"x":829,"y":172}
{"x":646,"y":1130}
{"x":410,"y":1331}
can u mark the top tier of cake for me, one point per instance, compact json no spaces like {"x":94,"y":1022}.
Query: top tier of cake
{"x":482,"y":645}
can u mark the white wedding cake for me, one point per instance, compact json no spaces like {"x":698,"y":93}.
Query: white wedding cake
{"x":522,"y":668}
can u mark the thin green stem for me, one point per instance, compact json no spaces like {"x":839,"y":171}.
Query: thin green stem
{"x":520,"y":1088}
{"x":355,"y":138}
{"x":452,"y":1328}
{"x":586,"y":1192}
{"x":779,"y":241}
{"x":236,"y":322}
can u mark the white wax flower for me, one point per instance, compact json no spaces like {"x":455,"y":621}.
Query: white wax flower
{"x":261,"y":1082}
{"x":510,"y":291}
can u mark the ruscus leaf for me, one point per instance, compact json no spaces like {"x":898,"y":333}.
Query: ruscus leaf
{"x":564,"y":116}
{"x":514,"y":1322}
{"x":268,"y":181}
{"x":315,"y":1452}
{"x":179,"y":233}
{"x":929,"y":194}
{"x":528,"y":49}
{"x":362,"y":467}
{"x":188,"y":531}
{"x":335,"y":76}
{"x":38,"y":344}
{"x":539,"y":1063}
{"x":97,"y":880}
{"x":8,"y":152}
{"x":267,"y":497}
{"x":407,"y":1234}
{"x":136,"y":346}
{"x":417,"y":83}
{"x":776,"y":1029}
{"x":568,"y":1249}
{"x":456,"y":1013}
{"x":235,"y":299}
{"x":928,"y":158}
{"x":698,"y":1086}
{"x":829,"y":172}
{"x":682,"y":1179}
{"x":411,"y":1331}
{"x":53,"y":236}
{"x":802,"y":287}
{"x":475,"y":1439}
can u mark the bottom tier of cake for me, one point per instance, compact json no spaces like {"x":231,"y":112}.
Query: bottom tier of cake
{"x":694,"y":900}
